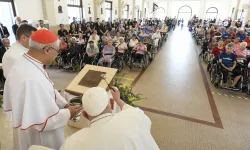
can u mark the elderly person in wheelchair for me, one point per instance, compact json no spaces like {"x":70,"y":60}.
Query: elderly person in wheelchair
{"x":108,"y":54}
{"x":74,"y":50}
{"x":242,"y":52}
{"x":228,"y":65}
{"x":122,"y":47}
{"x":92,"y":50}
{"x":139,"y":50}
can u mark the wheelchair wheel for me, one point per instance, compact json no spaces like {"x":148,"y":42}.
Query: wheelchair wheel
{"x":59,"y":62}
{"x":145,"y":61}
{"x":213,"y":75}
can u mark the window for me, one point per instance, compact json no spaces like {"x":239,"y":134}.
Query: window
{"x":108,"y":8}
{"x":211,"y":13}
{"x":75,"y":10}
{"x":185,"y":13}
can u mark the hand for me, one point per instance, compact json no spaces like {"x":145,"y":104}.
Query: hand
{"x":116,"y":94}
{"x":74,"y":110}
{"x":67,"y":106}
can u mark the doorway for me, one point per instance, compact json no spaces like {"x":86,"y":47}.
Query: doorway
{"x":7,"y":17}
{"x":185,"y":13}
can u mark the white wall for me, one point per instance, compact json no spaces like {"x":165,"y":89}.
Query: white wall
{"x":29,"y":9}
{"x":175,"y":6}
{"x":224,"y":8}
{"x":86,"y":5}
{"x":61,"y":18}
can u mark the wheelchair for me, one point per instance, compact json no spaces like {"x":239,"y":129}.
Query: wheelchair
{"x":89,"y":60}
{"x":119,"y":60}
{"x":218,"y":82}
{"x":152,"y":50}
{"x":134,"y":63}
{"x":105,"y":64}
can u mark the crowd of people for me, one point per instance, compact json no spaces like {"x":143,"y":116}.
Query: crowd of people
{"x":39,"y":112}
{"x":127,"y":38}
{"x":229,"y":45}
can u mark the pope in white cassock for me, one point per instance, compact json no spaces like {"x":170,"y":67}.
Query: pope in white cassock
{"x":39,"y":112}
{"x":126,"y":130}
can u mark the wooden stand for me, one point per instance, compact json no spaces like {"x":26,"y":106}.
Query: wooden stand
{"x":83,"y":81}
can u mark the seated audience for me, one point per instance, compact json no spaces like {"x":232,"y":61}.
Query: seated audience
{"x":217,"y":50}
{"x":242,"y":52}
{"x":108,"y":53}
{"x":241,"y":35}
{"x":94,"y":37}
{"x":92,"y":50}
{"x":74,"y":48}
{"x":228,"y":62}
{"x":122,"y":47}
{"x":139,"y":49}
{"x":113,"y":32}
{"x":63,"y":44}
{"x":80,"y":40}
{"x":133,"y":42}
{"x":236,"y":44}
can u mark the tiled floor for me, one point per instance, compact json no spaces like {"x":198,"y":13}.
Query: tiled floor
{"x":184,"y":113}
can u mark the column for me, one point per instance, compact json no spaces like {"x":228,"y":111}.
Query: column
{"x":120,"y":9}
{"x":143,"y":10}
{"x":202,"y":9}
{"x":236,"y":12}
{"x":133,"y":9}
{"x":248,"y":13}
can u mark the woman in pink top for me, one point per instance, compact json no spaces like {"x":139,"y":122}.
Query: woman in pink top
{"x":139,"y":49}
{"x":237,"y":44}
{"x":242,"y":52}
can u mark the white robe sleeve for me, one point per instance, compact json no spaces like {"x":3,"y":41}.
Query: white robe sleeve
{"x":139,"y":114}
{"x":55,"y":122}
{"x":60,"y":101}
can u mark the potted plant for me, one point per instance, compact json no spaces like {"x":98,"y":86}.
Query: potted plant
{"x":126,"y":93}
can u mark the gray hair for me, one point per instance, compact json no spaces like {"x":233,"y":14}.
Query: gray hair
{"x":39,"y":46}
{"x":243,"y":44}
{"x":121,"y":38}
{"x":73,"y":38}
{"x":4,"y":40}
{"x":230,"y":45}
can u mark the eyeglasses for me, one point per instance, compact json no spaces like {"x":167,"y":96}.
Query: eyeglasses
{"x":58,"y":51}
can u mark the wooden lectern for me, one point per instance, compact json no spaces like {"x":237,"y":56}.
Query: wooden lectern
{"x":90,"y":76}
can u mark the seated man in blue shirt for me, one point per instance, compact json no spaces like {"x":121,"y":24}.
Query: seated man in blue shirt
{"x":226,"y":35}
{"x":241,"y":35}
{"x":228,"y":63}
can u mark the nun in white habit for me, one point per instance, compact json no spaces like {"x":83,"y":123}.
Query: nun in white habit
{"x":126,"y":130}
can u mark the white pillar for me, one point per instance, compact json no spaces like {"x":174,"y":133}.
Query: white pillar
{"x":236,"y":12}
{"x":202,"y":9}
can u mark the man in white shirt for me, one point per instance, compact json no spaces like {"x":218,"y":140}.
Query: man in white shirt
{"x":39,"y":112}
{"x":41,"y":25}
{"x":126,"y":130}
{"x":17,"y":49}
